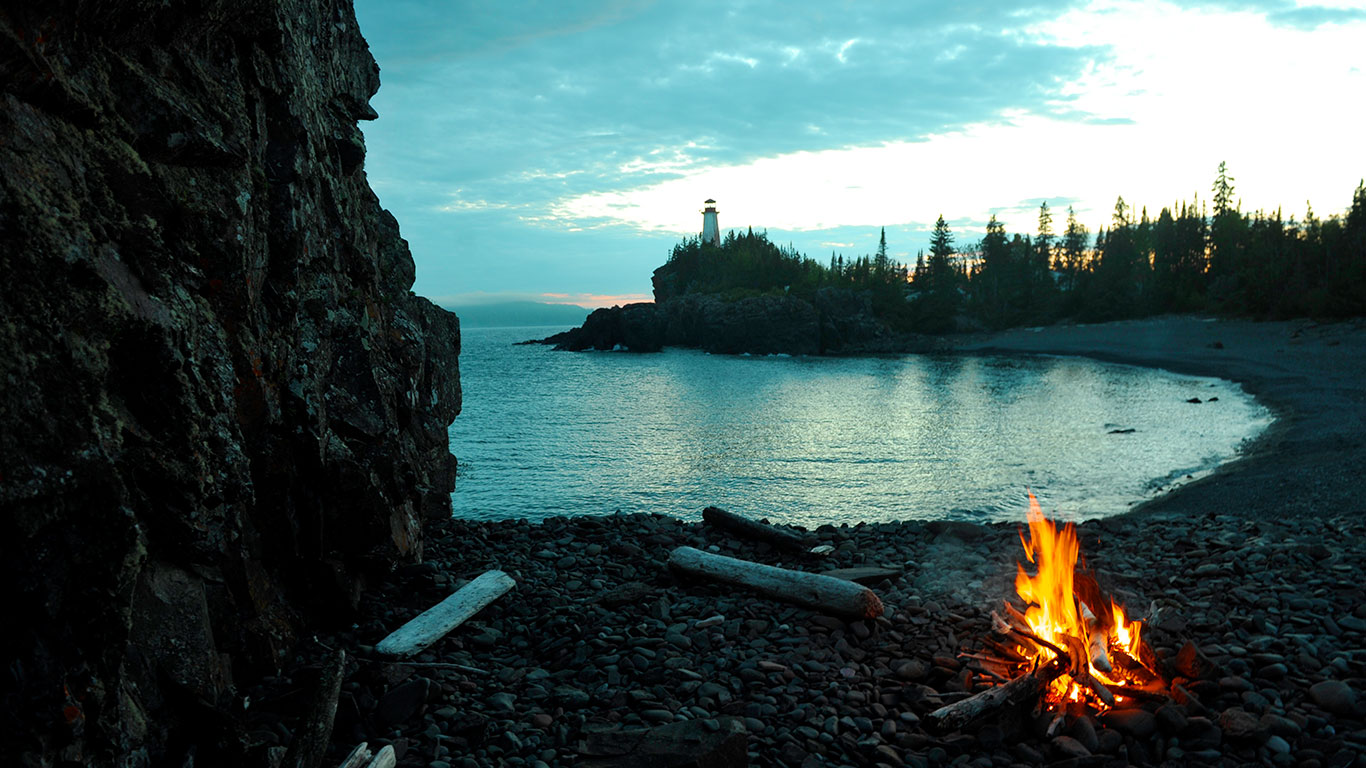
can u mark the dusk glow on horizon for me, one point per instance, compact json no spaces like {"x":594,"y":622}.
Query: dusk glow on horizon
{"x":556,"y":153}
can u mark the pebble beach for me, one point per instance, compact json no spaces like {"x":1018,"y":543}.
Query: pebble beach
{"x":600,"y":654}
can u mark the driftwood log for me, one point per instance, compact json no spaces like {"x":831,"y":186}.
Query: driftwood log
{"x":753,"y":529}
{"x":1025,"y":689}
{"x":435,"y":622}
{"x":813,"y":590}
{"x":312,"y":737}
{"x":385,"y":758}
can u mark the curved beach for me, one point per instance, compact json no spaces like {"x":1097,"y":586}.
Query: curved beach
{"x":1249,"y":580}
{"x":1311,"y":462}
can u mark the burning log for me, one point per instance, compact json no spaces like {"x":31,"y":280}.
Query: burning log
{"x":1140,"y":694}
{"x":1025,"y":689}
{"x":1099,"y":638}
{"x":1079,"y":669}
{"x":1132,"y":667}
{"x":753,"y":529}
{"x":1070,"y":628}
{"x":813,"y":590}
{"x":434,"y":623}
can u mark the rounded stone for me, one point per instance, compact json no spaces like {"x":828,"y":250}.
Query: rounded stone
{"x":1238,"y":723}
{"x":1138,"y":723}
{"x":1334,"y":696}
{"x":1277,"y":745}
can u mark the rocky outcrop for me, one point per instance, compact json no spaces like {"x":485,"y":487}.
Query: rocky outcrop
{"x":635,"y":327}
{"x":836,"y":321}
{"x":222,"y":407}
{"x":761,"y":325}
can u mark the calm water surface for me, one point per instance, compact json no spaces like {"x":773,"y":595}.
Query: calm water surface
{"x":813,"y":440}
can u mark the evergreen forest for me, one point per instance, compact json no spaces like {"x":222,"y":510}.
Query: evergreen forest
{"x":1192,"y":257}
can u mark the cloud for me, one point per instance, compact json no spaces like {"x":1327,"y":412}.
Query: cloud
{"x":593,"y":92}
{"x":1312,"y":17}
{"x":564,"y":146}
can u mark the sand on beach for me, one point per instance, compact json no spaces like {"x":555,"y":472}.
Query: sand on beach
{"x":1312,"y":461}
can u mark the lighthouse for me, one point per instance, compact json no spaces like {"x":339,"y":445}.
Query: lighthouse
{"x":711,"y":233}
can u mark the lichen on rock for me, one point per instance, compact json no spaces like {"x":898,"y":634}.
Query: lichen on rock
{"x":222,"y":407}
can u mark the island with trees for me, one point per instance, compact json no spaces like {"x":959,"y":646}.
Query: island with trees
{"x":749,"y":294}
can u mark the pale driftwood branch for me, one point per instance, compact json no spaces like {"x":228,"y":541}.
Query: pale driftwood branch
{"x":753,"y":529}
{"x":313,"y":735}
{"x":435,"y":622}
{"x":1023,"y":689}
{"x":358,"y":758}
{"x":813,"y":590}
{"x":385,"y":758}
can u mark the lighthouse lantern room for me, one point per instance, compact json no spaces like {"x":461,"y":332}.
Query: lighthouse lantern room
{"x":711,"y":232}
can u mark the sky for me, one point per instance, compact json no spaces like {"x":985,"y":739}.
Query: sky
{"x":556,"y":151}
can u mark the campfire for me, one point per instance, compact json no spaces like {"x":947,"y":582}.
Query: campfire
{"x":1065,"y":643}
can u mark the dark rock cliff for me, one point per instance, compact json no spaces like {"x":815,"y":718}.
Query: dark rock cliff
{"x":222,"y":406}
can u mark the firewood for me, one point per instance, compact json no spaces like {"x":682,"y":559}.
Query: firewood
{"x":1008,"y":653}
{"x":813,"y":590}
{"x":1026,"y":688}
{"x":1131,"y":666}
{"x":986,"y":658}
{"x":1146,"y":656}
{"x":987,"y":673}
{"x":1142,"y":694}
{"x":753,"y":529}
{"x":1015,"y":618}
{"x":1097,"y":639}
{"x":1080,"y":670}
{"x":435,"y":622}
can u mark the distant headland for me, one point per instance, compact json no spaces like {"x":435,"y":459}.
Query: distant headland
{"x":743,"y":293}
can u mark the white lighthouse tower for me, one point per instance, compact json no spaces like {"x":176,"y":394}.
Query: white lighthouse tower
{"x":711,"y":232}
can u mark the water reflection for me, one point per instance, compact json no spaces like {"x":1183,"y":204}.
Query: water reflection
{"x":815,"y":440}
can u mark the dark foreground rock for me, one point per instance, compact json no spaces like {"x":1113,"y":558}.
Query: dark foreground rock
{"x":598,"y":638}
{"x":220,"y":404}
{"x":836,"y":321}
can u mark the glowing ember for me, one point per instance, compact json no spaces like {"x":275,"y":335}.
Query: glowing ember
{"x":1067,"y":613}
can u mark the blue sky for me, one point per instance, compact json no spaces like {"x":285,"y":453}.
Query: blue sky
{"x":557,"y":150}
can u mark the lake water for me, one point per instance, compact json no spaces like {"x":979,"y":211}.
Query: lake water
{"x":812,"y":440}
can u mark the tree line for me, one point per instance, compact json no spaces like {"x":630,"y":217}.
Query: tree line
{"x":1193,"y":256}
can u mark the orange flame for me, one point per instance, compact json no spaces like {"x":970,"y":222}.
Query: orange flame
{"x":1058,"y":614}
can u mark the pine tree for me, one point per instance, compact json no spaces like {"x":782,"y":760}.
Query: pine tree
{"x":882,"y":268}
{"x":1044,"y":242}
{"x":1223,"y":190}
{"x":1226,"y":228}
{"x":1075,"y":241}
{"x":942,"y":279}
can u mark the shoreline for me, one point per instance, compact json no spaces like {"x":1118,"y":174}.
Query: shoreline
{"x":599,"y":640}
{"x":1311,"y":376}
